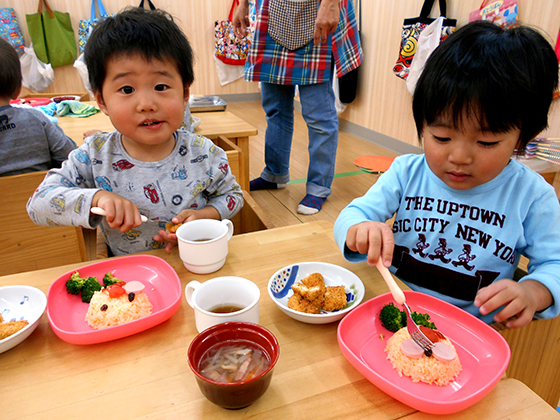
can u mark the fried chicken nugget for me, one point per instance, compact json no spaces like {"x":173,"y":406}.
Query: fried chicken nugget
{"x":309,"y":293}
{"x":12,"y":327}
{"x":172,"y":227}
{"x":298,"y":303}
{"x":335,"y":298}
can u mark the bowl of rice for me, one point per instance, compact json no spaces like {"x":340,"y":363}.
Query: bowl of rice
{"x":436,"y":388}
{"x":233,"y":362}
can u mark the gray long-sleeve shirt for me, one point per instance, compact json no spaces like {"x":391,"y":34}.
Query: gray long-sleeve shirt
{"x":30,"y":142}
{"x":194,"y":175}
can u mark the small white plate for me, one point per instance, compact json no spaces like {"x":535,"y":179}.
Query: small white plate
{"x":279,"y":289}
{"x":195,"y":121}
{"x":21,"y":303}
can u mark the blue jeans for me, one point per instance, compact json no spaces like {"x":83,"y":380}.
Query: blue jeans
{"x":319,"y":112}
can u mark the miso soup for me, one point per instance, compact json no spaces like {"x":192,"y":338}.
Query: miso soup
{"x":234,"y":361}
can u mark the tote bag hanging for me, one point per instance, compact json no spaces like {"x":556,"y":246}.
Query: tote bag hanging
{"x":228,"y":48}
{"x":9,"y":29}
{"x":501,"y":12}
{"x":411,"y":30}
{"x":86,"y":25}
{"x":52,"y":36}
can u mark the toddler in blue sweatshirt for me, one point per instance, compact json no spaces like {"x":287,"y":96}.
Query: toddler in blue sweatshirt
{"x":465,"y":211}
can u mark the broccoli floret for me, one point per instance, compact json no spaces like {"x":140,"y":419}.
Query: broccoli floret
{"x":109,"y":279}
{"x":75,"y":284}
{"x":394,"y":319}
{"x":391,"y":317}
{"x":423,"y":319}
{"x":91,"y":285}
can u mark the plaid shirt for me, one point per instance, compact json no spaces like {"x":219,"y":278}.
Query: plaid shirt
{"x":269,"y":62}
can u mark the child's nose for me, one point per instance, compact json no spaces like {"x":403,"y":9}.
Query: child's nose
{"x":461,"y":155}
{"x":146,"y":102}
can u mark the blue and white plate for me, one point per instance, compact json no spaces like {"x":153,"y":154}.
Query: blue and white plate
{"x":19,"y":303}
{"x":279,"y":289}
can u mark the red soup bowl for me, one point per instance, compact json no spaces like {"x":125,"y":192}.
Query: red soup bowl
{"x":243,"y":393}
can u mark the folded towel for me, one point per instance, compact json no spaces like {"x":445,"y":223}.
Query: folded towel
{"x":75,"y":109}
{"x":40,"y":109}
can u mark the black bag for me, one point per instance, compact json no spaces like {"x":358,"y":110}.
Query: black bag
{"x":348,"y":84}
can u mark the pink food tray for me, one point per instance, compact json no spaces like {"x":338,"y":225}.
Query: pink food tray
{"x":67,"y":312}
{"x":483,"y":352}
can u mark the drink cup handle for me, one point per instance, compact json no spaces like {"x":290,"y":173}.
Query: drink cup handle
{"x":229,"y":227}
{"x":189,"y":290}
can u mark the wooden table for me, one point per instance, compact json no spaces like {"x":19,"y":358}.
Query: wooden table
{"x":147,"y":375}
{"x":212,"y":125}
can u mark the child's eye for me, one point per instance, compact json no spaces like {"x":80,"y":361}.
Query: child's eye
{"x":127,"y":90}
{"x":160,"y":87}
{"x":488,"y":143}
{"x":441,"y":139}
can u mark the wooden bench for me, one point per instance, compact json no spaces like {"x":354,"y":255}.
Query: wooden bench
{"x":27,"y":246}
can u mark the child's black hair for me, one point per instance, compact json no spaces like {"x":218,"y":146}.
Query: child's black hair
{"x":151,"y":34}
{"x":502,"y":78}
{"x":10,"y":70}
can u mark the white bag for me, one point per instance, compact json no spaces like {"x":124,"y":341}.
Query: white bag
{"x":36,"y":75}
{"x":226,"y":72}
{"x":80,"y":65}
{"x":340,"y":107}
{"x":427,"y":42}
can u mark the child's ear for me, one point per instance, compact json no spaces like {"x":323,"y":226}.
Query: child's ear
{"x":16,"y":93}
{"x":100,"y":102}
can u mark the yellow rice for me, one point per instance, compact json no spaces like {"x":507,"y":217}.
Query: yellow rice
{"x":424,"y":369}
{"x":119,"y":310}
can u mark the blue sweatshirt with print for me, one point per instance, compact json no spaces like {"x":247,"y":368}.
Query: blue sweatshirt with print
{"x":450,"y":243}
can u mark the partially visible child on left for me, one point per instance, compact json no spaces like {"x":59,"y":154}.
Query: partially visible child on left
{"x":140,"y":67}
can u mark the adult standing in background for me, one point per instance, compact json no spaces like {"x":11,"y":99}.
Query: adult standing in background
{"x":300,"y":42}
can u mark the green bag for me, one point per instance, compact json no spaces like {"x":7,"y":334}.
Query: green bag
{"x":52,"y":36}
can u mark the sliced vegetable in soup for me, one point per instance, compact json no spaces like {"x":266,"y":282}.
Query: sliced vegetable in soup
{"x":233,"y":361}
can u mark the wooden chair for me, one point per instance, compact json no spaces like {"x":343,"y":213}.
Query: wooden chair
{"x":251,"y":218}
{"x":25,"y":245}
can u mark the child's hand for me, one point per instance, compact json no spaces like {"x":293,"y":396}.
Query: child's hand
{"x":185,"y":216}
{"x":520,"y":299}
{"x":374,"y":239}
{"x":122,"y":214}
{"x":90,"y":133}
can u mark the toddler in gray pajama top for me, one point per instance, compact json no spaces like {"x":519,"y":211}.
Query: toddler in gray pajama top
{"x":140,"y":66}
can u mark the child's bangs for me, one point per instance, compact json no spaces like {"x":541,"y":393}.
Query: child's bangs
{"x":471,"y":100}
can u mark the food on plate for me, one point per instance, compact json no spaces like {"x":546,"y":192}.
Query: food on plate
{"x":172,"y":227}
{"x":394,"y":319}
{"x":408,"y":359}
{"x":87,"y":286}
{"x":117,"y":304}
{"x":311,"y":295}
{"x":232,"y":362}
{"x":11,"y":327}
{"x":300,"y":304}
{"x":335,"y":298}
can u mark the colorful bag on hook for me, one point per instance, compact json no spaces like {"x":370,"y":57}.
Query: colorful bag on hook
{"x":228,"y":48}
{"x":86,"y":25}
{"x":411,"y":30}
{"x":9,"y":29}
{"x":501,"y":12}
